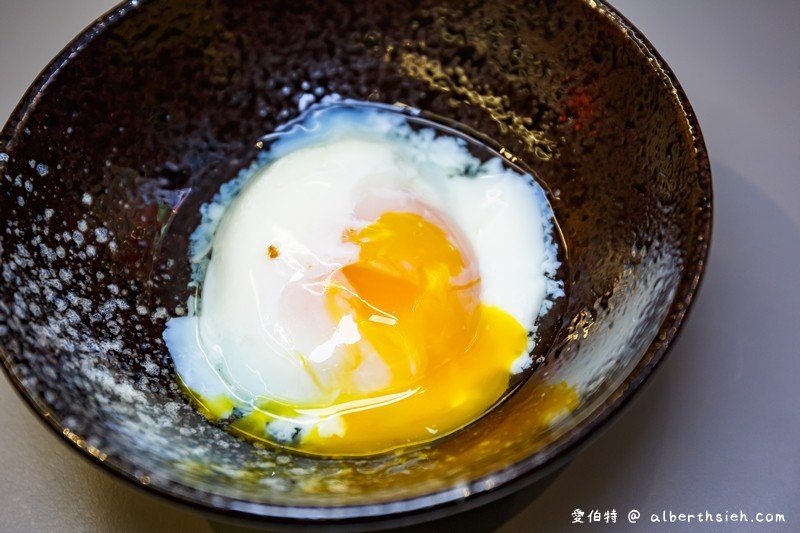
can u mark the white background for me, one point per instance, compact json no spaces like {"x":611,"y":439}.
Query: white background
{"x":717,"y":428}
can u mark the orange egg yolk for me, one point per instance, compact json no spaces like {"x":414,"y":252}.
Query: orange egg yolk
{"x":416,"y":302}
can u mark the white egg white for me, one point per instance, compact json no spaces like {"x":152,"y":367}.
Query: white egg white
{"x":261,"y":331}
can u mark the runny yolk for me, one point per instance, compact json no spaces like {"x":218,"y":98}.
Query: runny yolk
{"x":446,"y":357}
{"x":415,"y":298}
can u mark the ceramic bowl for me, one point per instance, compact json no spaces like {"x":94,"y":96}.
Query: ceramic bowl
{"x":107,"y":159}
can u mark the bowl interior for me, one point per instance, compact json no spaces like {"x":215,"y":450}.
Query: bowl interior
{"x":106,"y":163}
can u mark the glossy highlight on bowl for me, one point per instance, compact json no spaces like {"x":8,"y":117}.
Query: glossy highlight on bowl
{"x":102,"y":183}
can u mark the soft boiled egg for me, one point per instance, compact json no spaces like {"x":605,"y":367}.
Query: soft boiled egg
{"x":369,"y":284}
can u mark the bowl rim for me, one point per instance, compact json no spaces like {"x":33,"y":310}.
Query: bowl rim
{"x":481,"y":491}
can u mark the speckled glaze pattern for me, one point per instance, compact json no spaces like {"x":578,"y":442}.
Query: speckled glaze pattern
{"x":105,"y":163}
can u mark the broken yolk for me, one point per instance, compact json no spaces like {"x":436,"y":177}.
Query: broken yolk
{"x":415,"y":297}
{"x":446,"y":357}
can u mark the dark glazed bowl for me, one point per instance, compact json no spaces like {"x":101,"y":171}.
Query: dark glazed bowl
{"x":106,"y":161}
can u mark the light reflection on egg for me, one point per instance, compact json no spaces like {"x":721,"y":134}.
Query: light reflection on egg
{"x":369,"y":286}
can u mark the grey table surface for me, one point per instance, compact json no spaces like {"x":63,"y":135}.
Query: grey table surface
{"x":718,"y":427}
